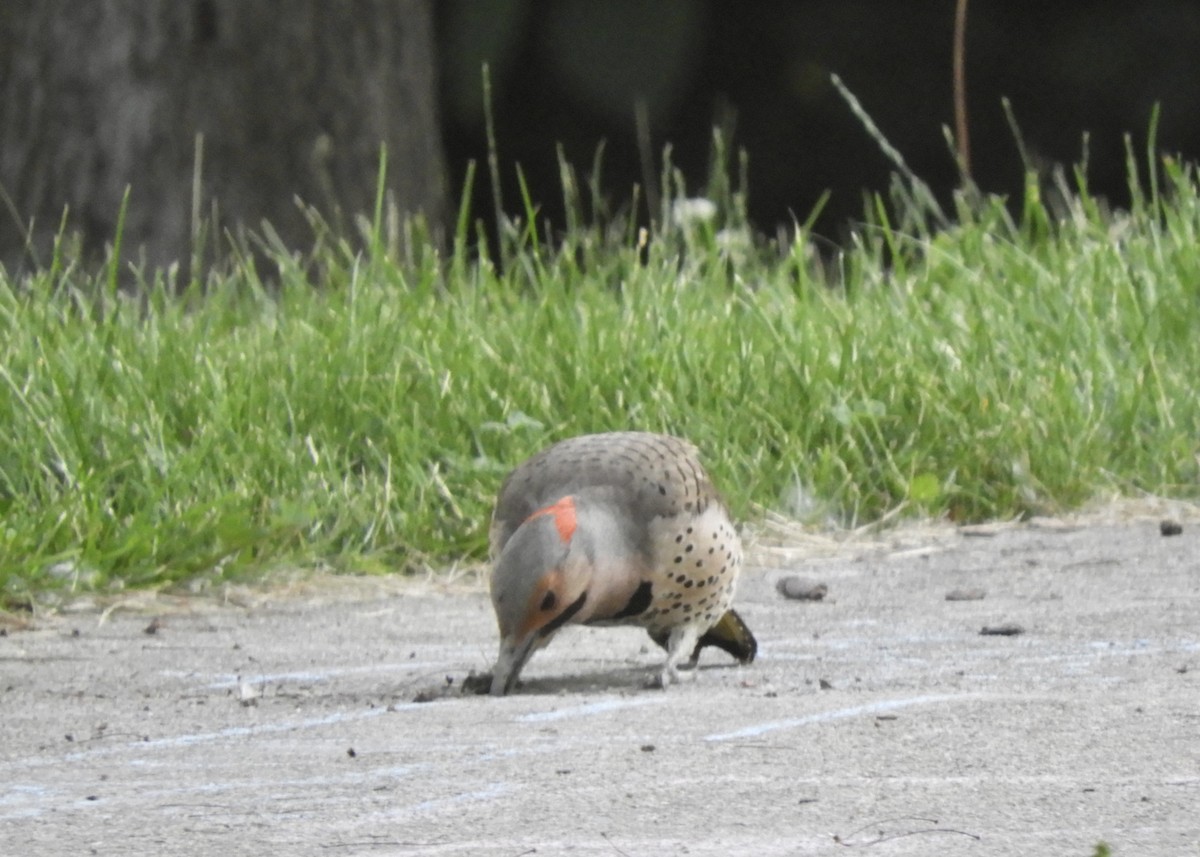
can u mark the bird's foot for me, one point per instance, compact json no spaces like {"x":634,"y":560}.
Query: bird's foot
{"x":670,"y":675}
{"x":680,"y":652}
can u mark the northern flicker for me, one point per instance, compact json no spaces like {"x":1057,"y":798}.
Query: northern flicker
{"x":620,"y":528}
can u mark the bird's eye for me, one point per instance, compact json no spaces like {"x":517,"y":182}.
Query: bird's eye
{"x":549,"y":601}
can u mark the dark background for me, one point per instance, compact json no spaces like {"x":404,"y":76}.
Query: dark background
{"x":293,"y":97}
{"x":569,"y":71}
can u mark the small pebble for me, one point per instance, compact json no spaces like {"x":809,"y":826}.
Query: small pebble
{"x":1170,"y":528}
{"x":1011,"y":629}
{"x":801,"y":588}
{"x":966,"y":595}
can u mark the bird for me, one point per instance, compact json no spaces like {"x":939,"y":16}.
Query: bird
{"x":618,"y":528}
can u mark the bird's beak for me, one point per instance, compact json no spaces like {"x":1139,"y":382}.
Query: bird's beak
{"x":512,"y":657}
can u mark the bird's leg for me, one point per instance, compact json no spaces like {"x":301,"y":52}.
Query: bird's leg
{"x":679,"y":650}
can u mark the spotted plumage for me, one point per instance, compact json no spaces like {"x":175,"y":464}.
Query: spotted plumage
{"x":620,"y":528}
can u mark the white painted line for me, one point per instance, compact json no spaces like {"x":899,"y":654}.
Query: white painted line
{"x":840,"y":714}
{"x":490,"y":792}
{"x":267,"y":728}
{"x":226,"y":680}
{"x":588,"y":709}
{"x":207,"y":737}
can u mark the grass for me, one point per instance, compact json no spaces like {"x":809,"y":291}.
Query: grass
{"x":357,"y":409}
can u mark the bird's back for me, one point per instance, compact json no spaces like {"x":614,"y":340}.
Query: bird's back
{"x":653,"y":476}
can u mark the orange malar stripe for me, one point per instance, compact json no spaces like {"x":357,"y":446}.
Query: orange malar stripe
{"x":563,"y":513}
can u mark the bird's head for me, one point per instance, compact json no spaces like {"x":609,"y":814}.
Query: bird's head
{"x":539,"y":583}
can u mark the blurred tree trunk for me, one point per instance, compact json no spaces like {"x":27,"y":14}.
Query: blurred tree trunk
{"x":293,"y":99}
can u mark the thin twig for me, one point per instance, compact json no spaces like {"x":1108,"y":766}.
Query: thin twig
{"x":605,"y":837}
{"x":961,"y":132}
{"x":921,"y":191}
{"x":884,"y":837}
{"x":641,"y":119}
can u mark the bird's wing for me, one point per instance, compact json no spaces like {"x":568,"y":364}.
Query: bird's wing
{"x":654,"y":475}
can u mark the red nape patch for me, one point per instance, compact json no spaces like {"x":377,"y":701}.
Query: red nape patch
{"x":563,"y":513}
